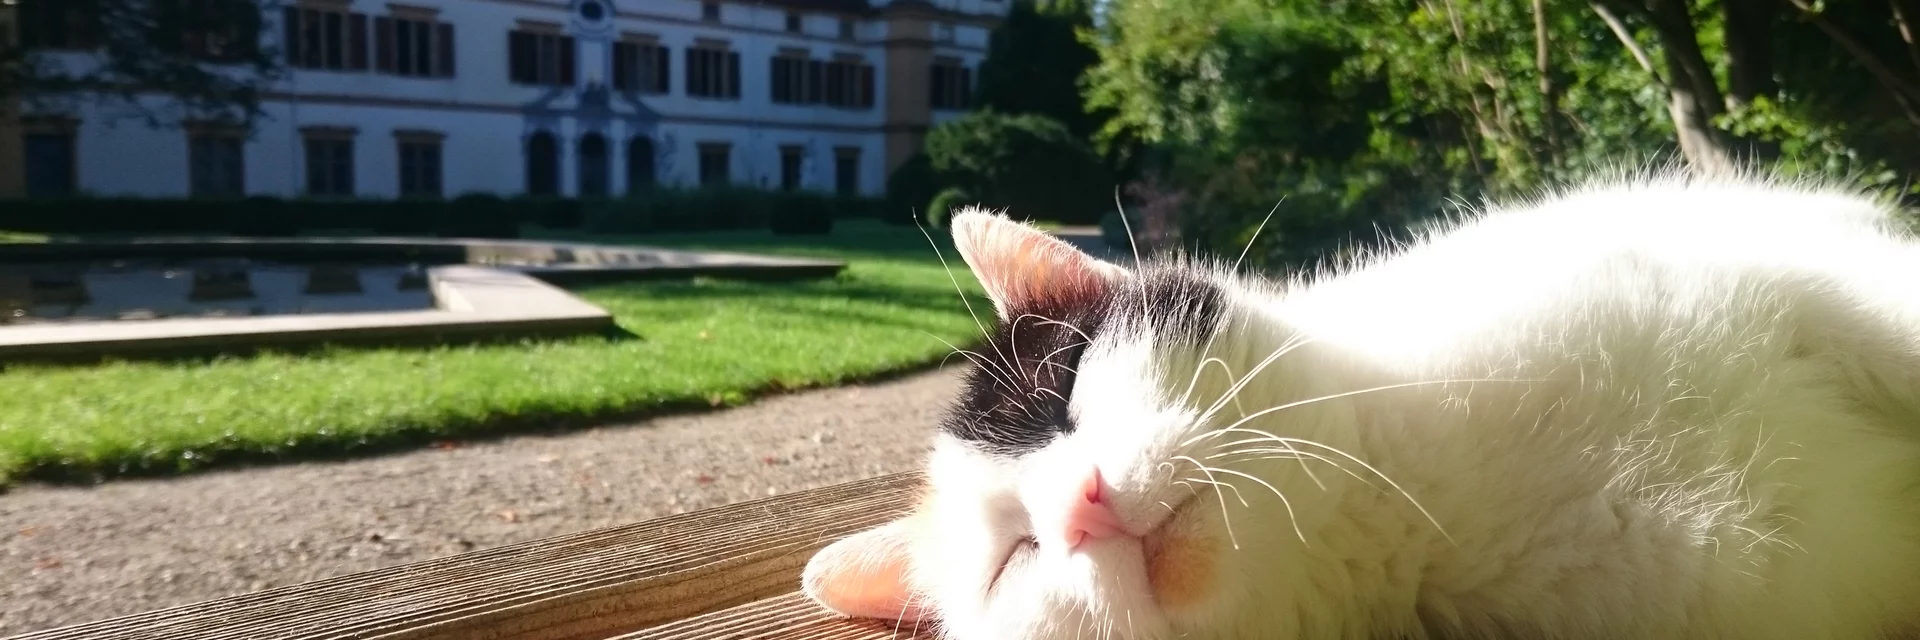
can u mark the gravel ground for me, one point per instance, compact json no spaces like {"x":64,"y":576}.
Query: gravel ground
{"x":75,"y":554}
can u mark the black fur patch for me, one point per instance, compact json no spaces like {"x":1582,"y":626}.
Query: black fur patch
{"x":1014,"y":400}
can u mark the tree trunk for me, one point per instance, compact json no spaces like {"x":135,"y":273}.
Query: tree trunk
{"x":1748,"y":27}
{"x":1549,"y":92}
{"x":1748,"y":31}
{"x":1693,"y":96}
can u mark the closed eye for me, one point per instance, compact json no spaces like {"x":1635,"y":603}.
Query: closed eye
{"x":1020,"y":547}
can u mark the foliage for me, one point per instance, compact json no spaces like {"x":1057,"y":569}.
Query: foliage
{"x":1034,"y":63}
{"x":203,"y":56}
{"x":1028,"y":163}
{"x":941,"y":208}
{"x":699,"y":344}
{"x":909,"y":189}
{"x":666,"y":210}
{"x":1359,"y":118}
{"x":263,"y":216}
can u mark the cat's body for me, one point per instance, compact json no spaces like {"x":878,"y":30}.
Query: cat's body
{"x":1676,"y":410}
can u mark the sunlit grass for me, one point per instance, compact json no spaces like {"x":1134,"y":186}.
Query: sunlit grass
{"x":697,"y":344}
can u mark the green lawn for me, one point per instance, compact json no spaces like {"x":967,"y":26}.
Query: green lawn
{"x":701,"y":343}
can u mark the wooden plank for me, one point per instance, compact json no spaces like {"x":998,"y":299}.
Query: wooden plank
{"x":584,"y":586}
{"x":788,"y":617}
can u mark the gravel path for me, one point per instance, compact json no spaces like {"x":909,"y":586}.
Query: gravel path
{"x":75,"y":554}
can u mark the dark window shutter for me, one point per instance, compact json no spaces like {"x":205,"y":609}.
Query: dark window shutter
{"x":866,"y":86}
{"x":816,"y":81}
{"x":692,"y":72}
{"x":733,"y":74}
{"x":443,"y":38}
{"x":290,"y":20}
{"x":664,"y":62}
{"x":519,"y":52}
{"x":383,"y":44}
{"x":566,"y":61}
{"x":357,"y":41}
{"x":622,"y":65}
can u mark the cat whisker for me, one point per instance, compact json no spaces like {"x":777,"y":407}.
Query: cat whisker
{"x":955,"y":280}
{"x":1044,"y":361}
{"x":1224,"y":518}
{"x":1336,"y":451}
{"x":1297,"y":454}
{"x":1284,"y":502}
{"x":1233,"y":391}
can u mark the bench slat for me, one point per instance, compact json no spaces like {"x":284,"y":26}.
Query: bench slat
{"x":583,"y":586}
{"x":788,"y":617}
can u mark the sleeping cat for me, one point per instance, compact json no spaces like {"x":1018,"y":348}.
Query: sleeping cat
{"x":1663,"y":407}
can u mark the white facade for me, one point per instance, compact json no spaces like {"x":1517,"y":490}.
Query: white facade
{"x":483,"y":121}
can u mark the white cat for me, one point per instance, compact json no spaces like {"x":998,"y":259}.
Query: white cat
{"x":1657,"y":408}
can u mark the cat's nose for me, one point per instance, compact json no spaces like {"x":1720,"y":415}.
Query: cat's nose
{"x":1090,"y":515}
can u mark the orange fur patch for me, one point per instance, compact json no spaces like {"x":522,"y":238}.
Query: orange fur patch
{"x":1180,"y":568}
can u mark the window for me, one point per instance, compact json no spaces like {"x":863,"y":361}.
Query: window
{"x":792,"y":159}
{"x":543,"y":165}
{"x":715,"y":168}
{"x":595,"y":173}
{"x":215,"y":164}
{"x":846,"y":28}
{"x":793,"y":23}
{"x":330,"y":163}
{"x":420,"y":167}
{"x":413,"y":47}
{"x":846,"y":83}
{"x":325,"y":39}
{"x":540,"y":58}
{"x":952,"y":85}
{"x":640,"y":174}
{"x":713,"y":72}
{"x":849,"y":84}
{"x":55,"y":24}
{"x":51,"y":163}
{"x":710,"y":11}
{"x":846,"y":171}
{"x":789,"y":78}
{"x":644,"y":67}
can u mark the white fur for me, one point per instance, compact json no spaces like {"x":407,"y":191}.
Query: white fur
{"x":1698,"y":417}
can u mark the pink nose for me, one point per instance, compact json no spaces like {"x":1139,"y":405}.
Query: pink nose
{"x":1089,"y":515}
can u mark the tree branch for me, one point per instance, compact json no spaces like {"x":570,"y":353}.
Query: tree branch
{"x":1633,"y":46}
{"x":1906,"y":31}
{"x":1892,"y":81}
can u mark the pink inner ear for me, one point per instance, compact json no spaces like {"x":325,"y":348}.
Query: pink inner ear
{"x":865,"y":575}
{"x":1024,"y":268}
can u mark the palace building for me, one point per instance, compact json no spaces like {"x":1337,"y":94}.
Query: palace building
{"x":545,"y":97}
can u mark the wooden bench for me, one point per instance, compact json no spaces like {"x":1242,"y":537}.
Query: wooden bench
{"x":731,"y":572}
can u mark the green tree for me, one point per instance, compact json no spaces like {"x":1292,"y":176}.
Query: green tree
{"x":202,"y":57}
{"x":1028,"y":163}
{"x":1035,"y":60}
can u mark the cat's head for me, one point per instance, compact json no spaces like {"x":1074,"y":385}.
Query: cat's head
{"x":1087,"y":482}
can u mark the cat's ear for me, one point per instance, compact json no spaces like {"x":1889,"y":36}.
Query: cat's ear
{"x":1024,"y":268}
{"x":865,"y":575}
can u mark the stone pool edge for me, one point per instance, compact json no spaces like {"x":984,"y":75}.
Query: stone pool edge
{"x":470,"y":302}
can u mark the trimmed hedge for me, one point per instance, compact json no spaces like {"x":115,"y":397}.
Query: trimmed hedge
{"x":725,"y":208}
{"x":473,"y":215}
{"x":480,"y":216}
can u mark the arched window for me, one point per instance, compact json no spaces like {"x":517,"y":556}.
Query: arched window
{"x":543,"y":165}
{"x":639,"y":163}
{"x":594,"y":173}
